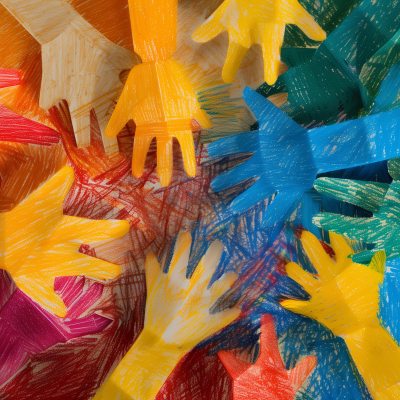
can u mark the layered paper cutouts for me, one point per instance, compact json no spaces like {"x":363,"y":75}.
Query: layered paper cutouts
{"x":381,"y":230}
{"x":268,"y":377}
{"x":287,"y":158}
{"x":178,"y":317}
{"x":79,"y":64}
{"x":256,"y":21}
{"x":345,"y":299}
{"x":158,"y":96}
{"x":39,"y":243}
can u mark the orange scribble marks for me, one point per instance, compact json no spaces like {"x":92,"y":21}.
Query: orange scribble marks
{"x":268,"y":377}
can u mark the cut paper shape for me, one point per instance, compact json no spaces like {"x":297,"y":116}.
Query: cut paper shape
{"x":380,"y":199}
{"x":256,"y":21}
{"x":331,"y":85}
{"x":79,"y":64}
{"x":15,"y":128}
{"x":345,"y":299}
{"x":287,"y":158}
{"x":158,"y":96}
{"x":39,"y":243}
{"x":177,"y":318}
{"x":27,"y":329}
{"x":268,"y":377}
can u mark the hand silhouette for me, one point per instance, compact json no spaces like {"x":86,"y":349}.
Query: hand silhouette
{"x":256,"y":21}
{"x":268,"y":377}
{"x":177,"y":318}
{"x":161,"y":101}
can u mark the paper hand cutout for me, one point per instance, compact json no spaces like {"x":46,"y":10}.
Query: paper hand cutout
{"x":177,"y":318}
{"x":345,"y":299}
{"x":83,"y":67}
{"x":287,"y":158}
{"x":380,"y":199}
{"x":162,"y":102}
{"x":39,"y":243}
{"x":26,"y":329}
{"x":268,"y":377}
{"x":256,"y":21}
{"x":15,"y":128}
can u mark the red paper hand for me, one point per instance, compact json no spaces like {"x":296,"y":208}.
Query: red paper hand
{"x":268,"y":378}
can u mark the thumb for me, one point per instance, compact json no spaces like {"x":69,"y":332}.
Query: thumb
{"x":298,"y":307}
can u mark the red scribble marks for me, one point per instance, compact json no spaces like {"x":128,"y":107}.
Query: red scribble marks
{"x":104,"y":188}
{"x":9,"y":77}
{"x":328,"y":249}
{"x":268,"y":378}
{"x":198,"y":376}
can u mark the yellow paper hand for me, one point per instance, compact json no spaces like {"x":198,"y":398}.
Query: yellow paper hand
{"x":177,"y":318}
{"x":256,"y":21}
{"x":162,"y":102}
{"x":38,"y":243}
{"x":345,"y":298}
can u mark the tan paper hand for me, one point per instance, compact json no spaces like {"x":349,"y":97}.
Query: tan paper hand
{"x":83,"y":67}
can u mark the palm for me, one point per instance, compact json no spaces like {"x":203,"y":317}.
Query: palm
{"x":162,"y":103}
{"x":178,"y":308}
{"x":344,"y":295}
{"x":282,"y":161}
{"x":83,"y":67}
{"x":268,"y":377}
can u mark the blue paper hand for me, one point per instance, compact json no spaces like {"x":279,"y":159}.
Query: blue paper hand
{"x":287,"y":158}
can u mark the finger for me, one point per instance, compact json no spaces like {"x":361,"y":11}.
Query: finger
{"x":140,"y":150}
{"x":378,"y":261}
{"x":365,"y":229}
{"x":223,"y":284}
{"x":237,"y":144}
{"x":209,"y":29}
{"x":299,"y":374}
{"x":298,"y":307}
{"x":207,"y":264}
{"x":164,"y":160}
{"x":122,"y":112}
{"x":342,"y":251}
{"x":153,"y":269}
{"x":88,"y":325}
{"x":185,"y":140}
{"x":269,"y":350}
{"x":110,"y":144}
{"x":260,"y":191}
{"x":180,"y":258}
{"x":233,"y":365}
{"x":279,"y":207}
{"x":307,"y":24}
{"x":234,"y":176}
{"x":367,"y":195}
{"x":234,"y":58}
{"x":81,"y":125}
{"x":318,"y":256}
{"x":271,"y":43}
{"x":303,"y":278}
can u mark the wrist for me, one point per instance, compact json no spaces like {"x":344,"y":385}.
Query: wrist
{"x":143,"y":370}
{"x":376,"y":356}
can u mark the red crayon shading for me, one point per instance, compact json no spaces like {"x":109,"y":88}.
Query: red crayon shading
{"x":268,"y":378}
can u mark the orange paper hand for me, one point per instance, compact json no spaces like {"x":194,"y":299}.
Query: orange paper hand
{"x":268,"y":377}
{"x":256,"y":21}
{"x":162,"y":102}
